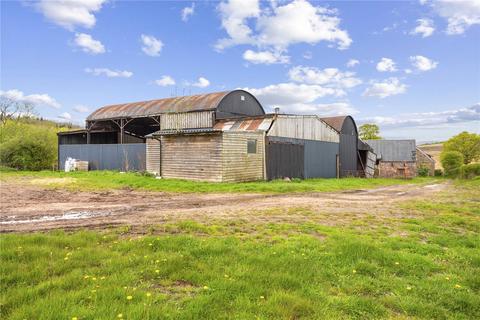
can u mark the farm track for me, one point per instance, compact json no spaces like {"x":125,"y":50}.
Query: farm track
{"x":26,"y":208}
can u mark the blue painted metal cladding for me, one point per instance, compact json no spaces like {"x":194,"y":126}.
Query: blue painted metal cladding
{"x":320,"y":157}
{"x":124,"y":157}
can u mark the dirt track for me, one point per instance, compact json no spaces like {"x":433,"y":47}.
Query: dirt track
{"x":27,"y":208}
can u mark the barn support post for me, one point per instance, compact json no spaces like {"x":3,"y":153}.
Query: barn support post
{"x":121,"y":130}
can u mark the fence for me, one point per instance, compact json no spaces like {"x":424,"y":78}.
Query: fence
{"x":124,"y":157}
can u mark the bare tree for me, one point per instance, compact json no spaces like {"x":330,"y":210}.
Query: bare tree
{"x":12,"y":109}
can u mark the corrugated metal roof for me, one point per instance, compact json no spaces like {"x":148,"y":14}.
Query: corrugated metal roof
{"x":245,"y":124}
{"x":199,"y":102}
{"x":335,"y":122}
{"x":394,"y":150}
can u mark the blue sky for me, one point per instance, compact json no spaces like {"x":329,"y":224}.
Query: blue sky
{"x":412,"y":67}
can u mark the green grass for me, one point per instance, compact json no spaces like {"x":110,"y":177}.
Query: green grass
{"x":102,"y":180}
{"x":421,"y":263}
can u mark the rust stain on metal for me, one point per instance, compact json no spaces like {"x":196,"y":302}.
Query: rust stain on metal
{"x":335,"y":122}
{"x":199,"y":102}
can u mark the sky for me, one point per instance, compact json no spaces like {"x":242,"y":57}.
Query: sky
{"x":412,"y":67}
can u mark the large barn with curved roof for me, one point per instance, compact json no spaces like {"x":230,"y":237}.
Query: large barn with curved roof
{"x":221,"y":136}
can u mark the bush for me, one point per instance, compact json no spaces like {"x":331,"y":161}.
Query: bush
{"x":27,"y":154}
{"x":28,"y":145}
{"x":452,"y":161}
{"x":423,"y":172}
{"x":468,"y":144}
{"x":470,"y":171}
{"x":438,"y":173}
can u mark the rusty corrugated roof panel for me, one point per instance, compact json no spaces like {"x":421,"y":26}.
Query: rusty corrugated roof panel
{"x":335,"y":122}
{"x":198,"y":102}
{"x":245,"y":124}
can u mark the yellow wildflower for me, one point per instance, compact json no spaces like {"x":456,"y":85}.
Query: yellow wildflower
{"x":157,"y":271}
{"x":397,"y":263}
{"x":129,"y":297}
{"x":262,"y":297}
{"x":354,"y":271}
{"x":149,"y":294}
{"x":74,"y":318}
{"x":458,"y":286}
{"x":205,"y":287}
{"x":119,"y":315}
{"x":409,"y":288}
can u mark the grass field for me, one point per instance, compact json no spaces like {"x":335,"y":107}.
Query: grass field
{"x":104,"y":180}
{"x":423,"y":262}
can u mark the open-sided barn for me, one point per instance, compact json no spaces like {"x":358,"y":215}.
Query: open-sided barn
{"x":224,"y":136}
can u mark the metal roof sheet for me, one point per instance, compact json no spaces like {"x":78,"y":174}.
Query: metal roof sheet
{"x":245,"y":124}
{"x":198,"y":102}
{"x":394,"y":150}
{"x":335,"y":122}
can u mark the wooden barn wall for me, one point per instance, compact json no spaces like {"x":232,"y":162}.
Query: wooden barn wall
{"x":153,"y":156}
{"x":238,"y":165}
{"x":303,"y":127}
{"x":193,"y":157}
{"x":186,"y":120}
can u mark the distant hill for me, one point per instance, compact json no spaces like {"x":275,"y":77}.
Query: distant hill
{"x":433,"y":150}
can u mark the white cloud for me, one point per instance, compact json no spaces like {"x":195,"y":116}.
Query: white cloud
{"x":279,"y":26}
{"x":321,"y":109}
{"x":308,"y":55}
{"x":265,"y":57}
{"x":329,"y":77}
{"x":201,"y":83}
{"x":109,"y":73}
{"x":284,"y":94}
{"x":460,"y":115}
{"x":187,"y":12}
{"x":425,"y":28}
{"x":65,"y":116}
{"x":386,"y":65}
{"x":34,"y":99}
{"x":88,"y":44}
{"x":460,"y":15}
{"x":352,"y":63}
{"x":81,"y":109}
{"x":151,"y":45}
{"x":422,"y":63}
{"x":385,"y":88}
{"x":165,"y":81}
{"x":70,"y":14}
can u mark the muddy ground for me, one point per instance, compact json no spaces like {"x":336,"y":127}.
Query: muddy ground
{"x":27,"y":207}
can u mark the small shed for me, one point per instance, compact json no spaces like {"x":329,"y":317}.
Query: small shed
{"x":395,"y":158}
{"x":348,"y":152}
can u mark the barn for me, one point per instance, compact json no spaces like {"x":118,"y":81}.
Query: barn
{"x":395,"y":158}
{"x":348,"y":149}
{"x":222,"y":136}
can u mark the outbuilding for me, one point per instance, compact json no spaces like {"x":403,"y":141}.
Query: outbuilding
{"x":395,"y":158}
{"x":222,"y":136}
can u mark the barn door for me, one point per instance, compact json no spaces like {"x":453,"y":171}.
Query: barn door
{"x":285,"y":159}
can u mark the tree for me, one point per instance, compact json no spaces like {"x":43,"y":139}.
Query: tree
{"x":12,"y":109}
{"x":369,"y":131}
{"x":452,"y":161}
{"x":468,"y":144}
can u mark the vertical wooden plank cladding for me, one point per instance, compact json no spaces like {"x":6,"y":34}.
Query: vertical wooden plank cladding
{"x":238,"y":165}
{"x":193,"y":157}
{"x":187,"y":120}
{"x":153,"y":156}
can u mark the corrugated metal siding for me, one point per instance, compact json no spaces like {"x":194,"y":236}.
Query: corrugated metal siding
{"x":153,"y":156}
{"x":303,"y":127}
{"x":186,"y":120}
{"x":348,"y":155}
{"x":125,"y":157}
{"x":320,"y":159}
{"x":285,"y":159}
{"x":253,"y":124}
{"x":238,"y":165}
{"x":193,"y":157}
{"x":394,"y":150}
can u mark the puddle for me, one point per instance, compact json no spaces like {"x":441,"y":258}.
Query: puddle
{"x":72,"y":215}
